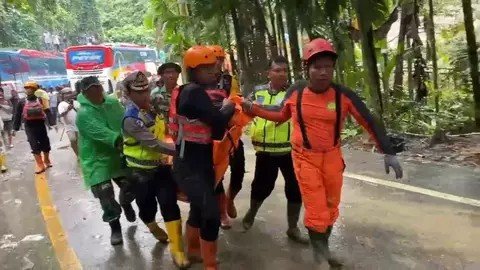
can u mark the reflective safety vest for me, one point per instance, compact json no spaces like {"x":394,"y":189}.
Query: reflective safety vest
{"x":138,"y":156}
{"x":268,"y":136}
{"x":183,"y":129}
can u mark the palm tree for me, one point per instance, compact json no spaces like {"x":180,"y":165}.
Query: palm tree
{"x":472,"y":56}
{"x":365,"y":20}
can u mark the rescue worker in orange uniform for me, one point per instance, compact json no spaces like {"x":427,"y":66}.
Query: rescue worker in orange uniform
{"x":200,"y":121}
{"x":229,"y":83}
{"x":318,"y":109}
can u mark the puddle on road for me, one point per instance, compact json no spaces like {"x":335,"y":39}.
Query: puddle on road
{"x":7,"y":243}
{"x":33,"y":238}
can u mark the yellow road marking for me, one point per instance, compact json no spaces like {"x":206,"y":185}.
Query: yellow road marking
{"x":424,"y":191}
{"x":65,"y":255}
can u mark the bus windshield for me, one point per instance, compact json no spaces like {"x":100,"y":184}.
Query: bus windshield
{"x":125,"y":56}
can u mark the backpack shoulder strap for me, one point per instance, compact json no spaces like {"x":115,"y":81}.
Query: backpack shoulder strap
{"x":338,"y":112}
{"x":303,"y":129}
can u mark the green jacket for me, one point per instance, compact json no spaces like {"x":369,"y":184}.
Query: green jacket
{"x":100,"y":128}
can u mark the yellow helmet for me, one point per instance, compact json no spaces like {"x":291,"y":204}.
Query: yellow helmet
{"x":31,"y":84}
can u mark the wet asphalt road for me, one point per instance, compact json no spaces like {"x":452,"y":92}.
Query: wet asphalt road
{"x":379,"y":228}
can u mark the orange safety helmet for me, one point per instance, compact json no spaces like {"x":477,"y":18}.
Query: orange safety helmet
{"x":317,"y":46}
{"x":31,"y":84}
{"x":199,"y":55}
{"x":217,"y":50}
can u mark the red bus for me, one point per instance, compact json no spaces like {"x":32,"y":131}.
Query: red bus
{"x":109,"y":62}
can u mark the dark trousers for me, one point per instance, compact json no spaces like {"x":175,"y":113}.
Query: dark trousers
{"x":266,"y":173}
{"x":197,"y":181}
{"x":152,"y":186}
{"x":237,"y":169}
{"x":105,"y":194}
{"x":37,"y":137}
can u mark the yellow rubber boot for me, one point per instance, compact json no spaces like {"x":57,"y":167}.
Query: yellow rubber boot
{"x":174,"y":230}
{"x":158,"y":232}
{"x":3,"y":163}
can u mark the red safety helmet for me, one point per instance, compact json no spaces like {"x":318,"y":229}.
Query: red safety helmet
{"x":316,"y":46}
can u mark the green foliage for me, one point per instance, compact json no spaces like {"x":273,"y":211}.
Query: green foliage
{"x":19,"y":29}
{"x":122,"y":21}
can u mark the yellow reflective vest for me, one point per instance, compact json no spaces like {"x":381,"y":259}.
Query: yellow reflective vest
{"x":138,"y":156}
{"x":268,"y":136}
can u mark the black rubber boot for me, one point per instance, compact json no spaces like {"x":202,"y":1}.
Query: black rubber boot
{"x":252,"y":212}
{"x":129,"y":212}
{"x":293,"y":232}
{"x":333,"y":261}
{"x":319,"y":243}
{"x":116,"y":237}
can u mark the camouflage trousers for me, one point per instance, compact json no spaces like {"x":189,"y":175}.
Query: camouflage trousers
{"x":104,"y":192}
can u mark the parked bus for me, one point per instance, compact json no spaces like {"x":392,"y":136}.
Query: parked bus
{"x":109,"y":62}
{"x":20,"y":65}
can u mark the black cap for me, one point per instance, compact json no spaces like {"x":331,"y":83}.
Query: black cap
{"x":88,"y":82}
{"x":164,"y":66}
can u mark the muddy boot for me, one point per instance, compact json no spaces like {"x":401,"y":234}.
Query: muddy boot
{"x":193,"y":244}
{"x":158,"y":232}
{"x":40,"y":166}
{"x":293,"y":232}
{"x":116,"y":237}
{"x":3,"y":163}
{"x":209,"y":254}
{"x":46,"y":160}
{"x":231,"y":209}
{"x":129,"y":212}
{"x":334,"y":261}
{"x":319,"y":243}
{"x":250,"y":216}
{"x":174,"y":229}
{"x":225,"y":222}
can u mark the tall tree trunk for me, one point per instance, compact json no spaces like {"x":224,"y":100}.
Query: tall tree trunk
{"x":472,"y":56}
{"x":410,"y":72}
{"x":281,"y":30}
{"x":241,"y":47}
{"x":370,"y":62}
{"x":294,"y":45}
{"x":274,"y":31}
{"x":433,"y":50}
{"x":398,"y":77}
{"x":263,"y":25}
{"x":229,"y":41}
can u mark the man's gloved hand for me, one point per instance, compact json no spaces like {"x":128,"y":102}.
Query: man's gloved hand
{"x":392,"y":161}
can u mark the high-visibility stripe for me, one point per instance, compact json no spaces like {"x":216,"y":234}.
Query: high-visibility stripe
{"x":271,"y":145}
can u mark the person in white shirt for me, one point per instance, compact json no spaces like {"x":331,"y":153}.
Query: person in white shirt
{"x":67,"y":110}
{"x":47,"y":39}
{"x":56,"y":42}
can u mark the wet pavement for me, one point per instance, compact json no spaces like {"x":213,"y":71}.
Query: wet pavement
{"x":380,"y":227}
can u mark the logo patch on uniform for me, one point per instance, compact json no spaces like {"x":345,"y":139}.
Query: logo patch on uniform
{"x":260,"y":99}
{"x":331,"y":106}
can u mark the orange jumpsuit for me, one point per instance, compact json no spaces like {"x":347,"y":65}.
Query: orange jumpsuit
{"x":319,"y":167}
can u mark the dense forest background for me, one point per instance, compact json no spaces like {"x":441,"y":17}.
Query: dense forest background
{"x":414,"y":61}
